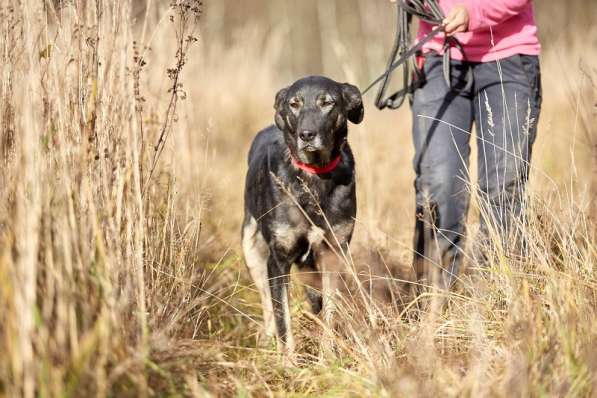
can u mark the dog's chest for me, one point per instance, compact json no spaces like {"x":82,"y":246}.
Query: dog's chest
{"x":312,"y":216}
{"x":295,"y":227}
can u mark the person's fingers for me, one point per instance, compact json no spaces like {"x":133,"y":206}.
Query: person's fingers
{"x":461,"y":28}
{"x":450,"y":28}
{"x":450,"y":21}
{"x":449,"y":17}
{"x":451,"y":25}
{"x":456,"y":21}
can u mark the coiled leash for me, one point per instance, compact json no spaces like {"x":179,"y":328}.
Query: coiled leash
{"x":428,"y":11}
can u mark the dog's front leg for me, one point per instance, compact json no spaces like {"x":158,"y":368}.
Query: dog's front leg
{"x":330,"y":264}
{"x":278,"y":268}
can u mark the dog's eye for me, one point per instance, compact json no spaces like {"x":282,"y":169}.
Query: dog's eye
{"x":294,"y":104}
{"x":327,"y":102}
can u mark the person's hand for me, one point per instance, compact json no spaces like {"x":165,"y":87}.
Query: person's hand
{"x":456,"y":21}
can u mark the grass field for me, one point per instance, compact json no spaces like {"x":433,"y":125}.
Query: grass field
{"x":124,"y":128}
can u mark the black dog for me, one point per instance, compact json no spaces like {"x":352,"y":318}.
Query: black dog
{"x":300,"y":198}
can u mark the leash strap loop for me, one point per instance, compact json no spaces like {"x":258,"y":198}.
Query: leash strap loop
{"x":447,"y":66}
{"x":428,"y":11}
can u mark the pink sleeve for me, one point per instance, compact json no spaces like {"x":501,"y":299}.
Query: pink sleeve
{"x":486,"y":13}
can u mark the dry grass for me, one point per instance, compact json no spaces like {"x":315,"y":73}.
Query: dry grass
{"x":115,"y":283}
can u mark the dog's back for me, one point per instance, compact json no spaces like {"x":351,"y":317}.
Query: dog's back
{"x":270,"y":137}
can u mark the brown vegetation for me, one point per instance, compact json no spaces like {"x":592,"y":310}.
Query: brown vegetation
{"x":122,"y":158}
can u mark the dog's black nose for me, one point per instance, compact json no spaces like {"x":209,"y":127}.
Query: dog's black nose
{"x":307,"y":135}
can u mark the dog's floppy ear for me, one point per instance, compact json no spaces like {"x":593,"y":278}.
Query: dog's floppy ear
{"x":354,"y":103}
{"x":278,"y":105}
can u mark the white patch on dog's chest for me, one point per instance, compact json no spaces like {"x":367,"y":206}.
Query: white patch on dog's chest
{"x":315,"y":235}
{"x":288,"y":235}
{"x":285,"y":235}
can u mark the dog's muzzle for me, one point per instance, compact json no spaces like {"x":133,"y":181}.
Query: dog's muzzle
{"x":310,"y":142}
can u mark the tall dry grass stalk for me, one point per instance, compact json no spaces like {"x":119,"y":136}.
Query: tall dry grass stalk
{"x":120,"y":207}
{"x":79,"y":254}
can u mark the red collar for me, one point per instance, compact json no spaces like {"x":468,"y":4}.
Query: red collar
{"x":314,"y":169}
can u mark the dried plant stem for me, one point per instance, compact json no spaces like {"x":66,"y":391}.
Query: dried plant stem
{"x":187,"y":15}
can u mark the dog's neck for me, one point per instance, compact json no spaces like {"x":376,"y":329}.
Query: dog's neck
{"x":311,"y":169}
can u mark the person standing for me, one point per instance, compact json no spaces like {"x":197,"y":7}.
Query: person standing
{"x":500,"y":50}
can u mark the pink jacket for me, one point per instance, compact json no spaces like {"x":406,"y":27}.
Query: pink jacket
{"x":497,"y":29}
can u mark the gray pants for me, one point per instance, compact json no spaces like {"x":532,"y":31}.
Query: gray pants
{"x":504,"y":103}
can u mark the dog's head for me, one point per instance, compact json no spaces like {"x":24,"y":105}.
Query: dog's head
{"x":313,"y":114}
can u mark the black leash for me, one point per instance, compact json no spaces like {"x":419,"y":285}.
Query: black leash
{"x":428,"y":11}
{"x":403,"y":58}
